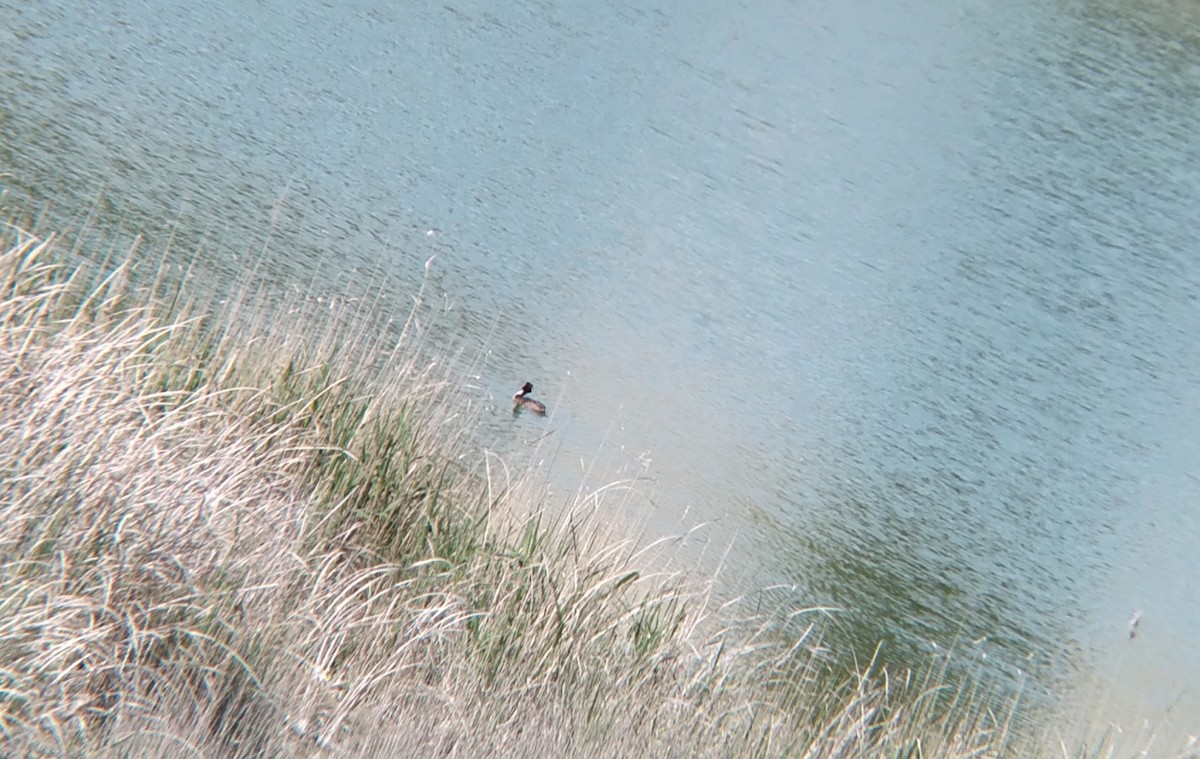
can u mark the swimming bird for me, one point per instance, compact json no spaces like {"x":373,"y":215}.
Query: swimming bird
{"x":521,"y":400}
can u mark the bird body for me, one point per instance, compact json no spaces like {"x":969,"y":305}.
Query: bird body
{"x":521,"y":400}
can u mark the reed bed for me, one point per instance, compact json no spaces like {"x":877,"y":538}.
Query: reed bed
{"x":249,"y":530}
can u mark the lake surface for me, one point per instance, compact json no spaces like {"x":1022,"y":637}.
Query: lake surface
{"x":902,"y":299}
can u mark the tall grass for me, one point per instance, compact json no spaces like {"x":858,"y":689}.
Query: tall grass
{"x":241,"y":531}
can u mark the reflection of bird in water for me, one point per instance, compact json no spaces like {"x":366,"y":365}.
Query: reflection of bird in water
{"x":521,"y":400}
{"x":1133,"y":623}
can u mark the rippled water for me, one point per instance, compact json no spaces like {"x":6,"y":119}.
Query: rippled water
{"x":903,"y":296}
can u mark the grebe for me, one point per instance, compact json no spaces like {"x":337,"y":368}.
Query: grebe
{"x":521,"y":400}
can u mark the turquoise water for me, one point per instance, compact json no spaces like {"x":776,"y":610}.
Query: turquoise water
{"x":900,"y":298}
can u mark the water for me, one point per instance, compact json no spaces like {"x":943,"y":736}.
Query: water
{"x":899,"y":297}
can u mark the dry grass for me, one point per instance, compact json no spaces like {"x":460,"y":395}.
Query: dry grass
{"x":226,"y":537}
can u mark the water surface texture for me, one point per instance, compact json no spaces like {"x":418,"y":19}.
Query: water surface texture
{"x":902,"y":298}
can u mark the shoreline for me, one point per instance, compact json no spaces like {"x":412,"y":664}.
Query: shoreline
{"x":252,"y":534}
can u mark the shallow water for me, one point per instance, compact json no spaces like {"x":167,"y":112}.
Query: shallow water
{"x":899,"y":297}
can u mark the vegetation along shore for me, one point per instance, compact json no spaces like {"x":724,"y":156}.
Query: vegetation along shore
{"x":227,"y":534}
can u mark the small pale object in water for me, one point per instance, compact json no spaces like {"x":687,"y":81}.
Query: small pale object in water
{"x":1132,"y":624}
